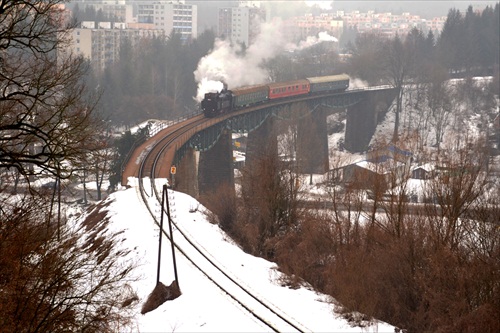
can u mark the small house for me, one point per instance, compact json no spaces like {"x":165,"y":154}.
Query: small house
{"x":425,"y":171}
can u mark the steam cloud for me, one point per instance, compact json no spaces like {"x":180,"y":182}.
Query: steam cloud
{"x":355,"y":83}
{"x":312,"y":40}
{"x":323,"y":4}
{"x":226,"y":63}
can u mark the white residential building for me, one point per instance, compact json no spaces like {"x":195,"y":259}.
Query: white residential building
{"x":100,"y":43}
{"x":162,"y":14}
{"x":240,"y":24}
{"x":169,"y":16}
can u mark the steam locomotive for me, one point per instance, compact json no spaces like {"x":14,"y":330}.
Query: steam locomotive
{"x":226,"y":101}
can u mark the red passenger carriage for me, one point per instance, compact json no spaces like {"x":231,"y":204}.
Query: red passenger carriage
{"x":289,"y":88}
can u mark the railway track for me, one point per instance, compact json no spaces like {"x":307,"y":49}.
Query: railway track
{"x":163,"y":150}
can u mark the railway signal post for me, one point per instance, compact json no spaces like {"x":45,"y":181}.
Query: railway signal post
{"x":173,"y":171}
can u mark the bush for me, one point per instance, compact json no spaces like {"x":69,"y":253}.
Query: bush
{"x":60,"y":278}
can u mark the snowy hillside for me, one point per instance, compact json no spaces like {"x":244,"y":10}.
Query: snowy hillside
{"x":202,"y":307}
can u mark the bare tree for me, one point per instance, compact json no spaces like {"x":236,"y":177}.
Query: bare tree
{"x":45,"y":115}
{"x":366,"y":55}
{"x":52,"y":280}
{"x":100,"y":159}
{"x":439,"y":103}
{"x":462,"y":179}
{"x":347,"y":202}
{"x":271,"y":209}
{"x":396,"y":58}
{"x":418,"y":113}
{"x":279,"y":68}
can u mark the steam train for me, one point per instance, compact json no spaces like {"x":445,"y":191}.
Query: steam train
{"x":226,"y":101}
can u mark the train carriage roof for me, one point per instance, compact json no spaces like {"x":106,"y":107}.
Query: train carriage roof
{"x":287,"y":83}
{"x":330,"y":78}
{"x":249,"y":89}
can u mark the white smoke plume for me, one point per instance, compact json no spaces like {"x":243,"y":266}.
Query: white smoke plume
{"x":355,"y":83}
{"x":227,"y":64}
{"x":311,"y":41}
{"x":325,"y":37}
{"x":323,"y":4}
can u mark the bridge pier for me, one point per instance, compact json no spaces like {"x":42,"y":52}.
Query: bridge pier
{"x":216,"y":165}
{"x":186,"y":178}
{"x":261,"y":142}
{"x":363,"y":117}
{"x":312,"y":143}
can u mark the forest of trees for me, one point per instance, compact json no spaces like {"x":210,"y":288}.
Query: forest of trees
{"x":88,"y":13}
{"x":467,"y":45}
{"x":153,"y":80}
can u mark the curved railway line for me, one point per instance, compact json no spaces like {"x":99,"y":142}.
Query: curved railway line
{"x":156,"y":157}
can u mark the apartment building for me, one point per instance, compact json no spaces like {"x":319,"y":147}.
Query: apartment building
{"x":390,"y":24}
{"x":240,"y":24}
{"x":310,"y":25}
{"x":100,"y":43}
{"x":166,"y":15}
{"x":169,"y":16}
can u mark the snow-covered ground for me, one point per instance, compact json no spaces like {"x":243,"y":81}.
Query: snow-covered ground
{"x":202,"y":307}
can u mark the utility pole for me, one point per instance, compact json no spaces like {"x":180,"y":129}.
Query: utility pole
{"x":164,"y":197}
{"x":165,"y":190}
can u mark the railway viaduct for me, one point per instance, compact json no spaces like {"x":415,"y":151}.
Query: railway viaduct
{"x":204,"y":161}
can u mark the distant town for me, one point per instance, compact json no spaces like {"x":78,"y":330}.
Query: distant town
{"x":103,"y":25}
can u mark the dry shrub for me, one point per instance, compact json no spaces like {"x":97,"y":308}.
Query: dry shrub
{"x":416,"y":283}
{"x":222,"y":207}
{"x":434,"y":272}
{"x":485,"y":319}
{"x":223,"y":210}
{"x":404,"y":280}
{"x":160,"y":294}
{"x":97,"y":213}
{"x":247,"y":235}
{"x":129,"y":296}
{"x":60,"y":278}
{"x":306,"y":251}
